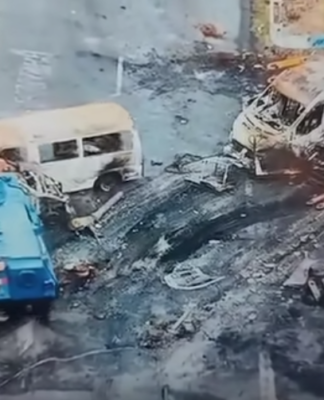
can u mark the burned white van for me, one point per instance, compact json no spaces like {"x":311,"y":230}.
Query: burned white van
{"x":288,"y":114}
{"x":81,"y":147}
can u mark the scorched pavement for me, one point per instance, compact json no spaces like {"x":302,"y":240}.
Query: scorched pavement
{"x":251,"y":238}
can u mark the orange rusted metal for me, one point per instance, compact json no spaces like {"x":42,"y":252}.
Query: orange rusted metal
{"x":286,"y":63}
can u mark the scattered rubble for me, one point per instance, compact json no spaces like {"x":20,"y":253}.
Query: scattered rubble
{"x":287,"y":62}
{"x":159,"y":331}
{"x":156,"y":163}
{"x":81,"y":223}
{"x":181,"y":120}
{"x":79,"y":275}
{"x":301,"y":274}
{"x":211,"y":31}
{"x":189,"y":278}
{"x":182,"y":320}
{"x":303,"y":16}
{"x":213,"y":172}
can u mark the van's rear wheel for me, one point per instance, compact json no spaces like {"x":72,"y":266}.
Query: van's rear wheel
{"x":107,"y":182}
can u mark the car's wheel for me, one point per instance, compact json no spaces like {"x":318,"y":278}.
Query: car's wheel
{"x":107,"y":182}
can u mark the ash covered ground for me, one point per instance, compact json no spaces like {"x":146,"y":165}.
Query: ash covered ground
{"x":111,"y":338}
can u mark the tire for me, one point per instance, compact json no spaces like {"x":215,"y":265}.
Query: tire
{"x":107,"y":182}
{"x":42,"y":310}
{"x":14,"y":311}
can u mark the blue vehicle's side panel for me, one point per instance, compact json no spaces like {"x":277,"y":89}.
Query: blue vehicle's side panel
{"x":26,"y":270}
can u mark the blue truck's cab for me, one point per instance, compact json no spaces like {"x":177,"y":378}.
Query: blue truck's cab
{"x":27,"y":276}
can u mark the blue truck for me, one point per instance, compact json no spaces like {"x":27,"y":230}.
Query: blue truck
{"x":27,"y":278}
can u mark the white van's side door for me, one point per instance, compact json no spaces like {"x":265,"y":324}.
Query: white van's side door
{"x":62,"y":161}
{"x":102,"y":153}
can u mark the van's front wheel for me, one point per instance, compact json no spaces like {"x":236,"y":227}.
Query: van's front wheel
{"x":107,"y":182}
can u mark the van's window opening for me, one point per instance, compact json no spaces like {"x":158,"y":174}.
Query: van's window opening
{"x":58,"y":151}
{"x":102,"y":144}
{"x":312,"y":120}
{"x":280,"y":108}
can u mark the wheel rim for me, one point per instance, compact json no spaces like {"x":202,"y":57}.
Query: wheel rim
{"x":105,"y":187}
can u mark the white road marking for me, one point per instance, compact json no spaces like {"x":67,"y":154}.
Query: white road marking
{"x":266,"y":377}
{"x":31,"y":84}
{"x":119,"y":77}
{"x":96,"y":44}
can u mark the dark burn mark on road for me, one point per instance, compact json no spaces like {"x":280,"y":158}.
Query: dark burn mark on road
{"x":144,"y":234}
{"x":309,"y":378}
{"x":189,"y":240}
{"x":226,"y":72}
{"x":234,"y":341}
{"x":168,"y":393}
{"x":96,"y":56}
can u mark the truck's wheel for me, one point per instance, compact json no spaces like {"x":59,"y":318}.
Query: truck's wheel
{"x":107,"y":182}
{"x":14,"y":311}
{"x":42,"y":310}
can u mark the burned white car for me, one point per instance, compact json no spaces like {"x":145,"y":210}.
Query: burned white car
{"x":286,"y":118}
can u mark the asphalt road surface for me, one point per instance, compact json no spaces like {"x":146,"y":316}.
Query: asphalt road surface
{"x":68,"y":52}
{"x":113,"y":337}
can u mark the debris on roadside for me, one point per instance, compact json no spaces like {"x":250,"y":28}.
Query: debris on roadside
{"x":174,"y":329}
{"x":155,"y":163}
{"x":181,"y":120}
{"x":213,"y":172}
{"x":180,"y":161}
{"x":90,"y":221}
{"x":189,"y":278}
{"x":300,"y":275}
{"x":78,"y":275}
{"x":316,"y":291}
{"x":314,"y":288}
{"x":211,"y":183}
{"x":159,"y":330}
{"x":288,"y":62}
{"x":302,"y":16}
{"x":100,"y":315}
{"x":155,"y":333}
{"x":210,"y":30}
{"x":83,"y":270}
{"x":309,"y":276}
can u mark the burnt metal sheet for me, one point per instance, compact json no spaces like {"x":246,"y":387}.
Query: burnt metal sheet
{"x":302,"y":83}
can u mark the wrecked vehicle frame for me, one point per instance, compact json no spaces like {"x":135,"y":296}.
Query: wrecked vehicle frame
{"x":80,"y":147}
{"x":287,"y":116}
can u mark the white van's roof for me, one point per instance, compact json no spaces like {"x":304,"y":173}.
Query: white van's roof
{"x":303,"y":83}
{"x":63,"y":124}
